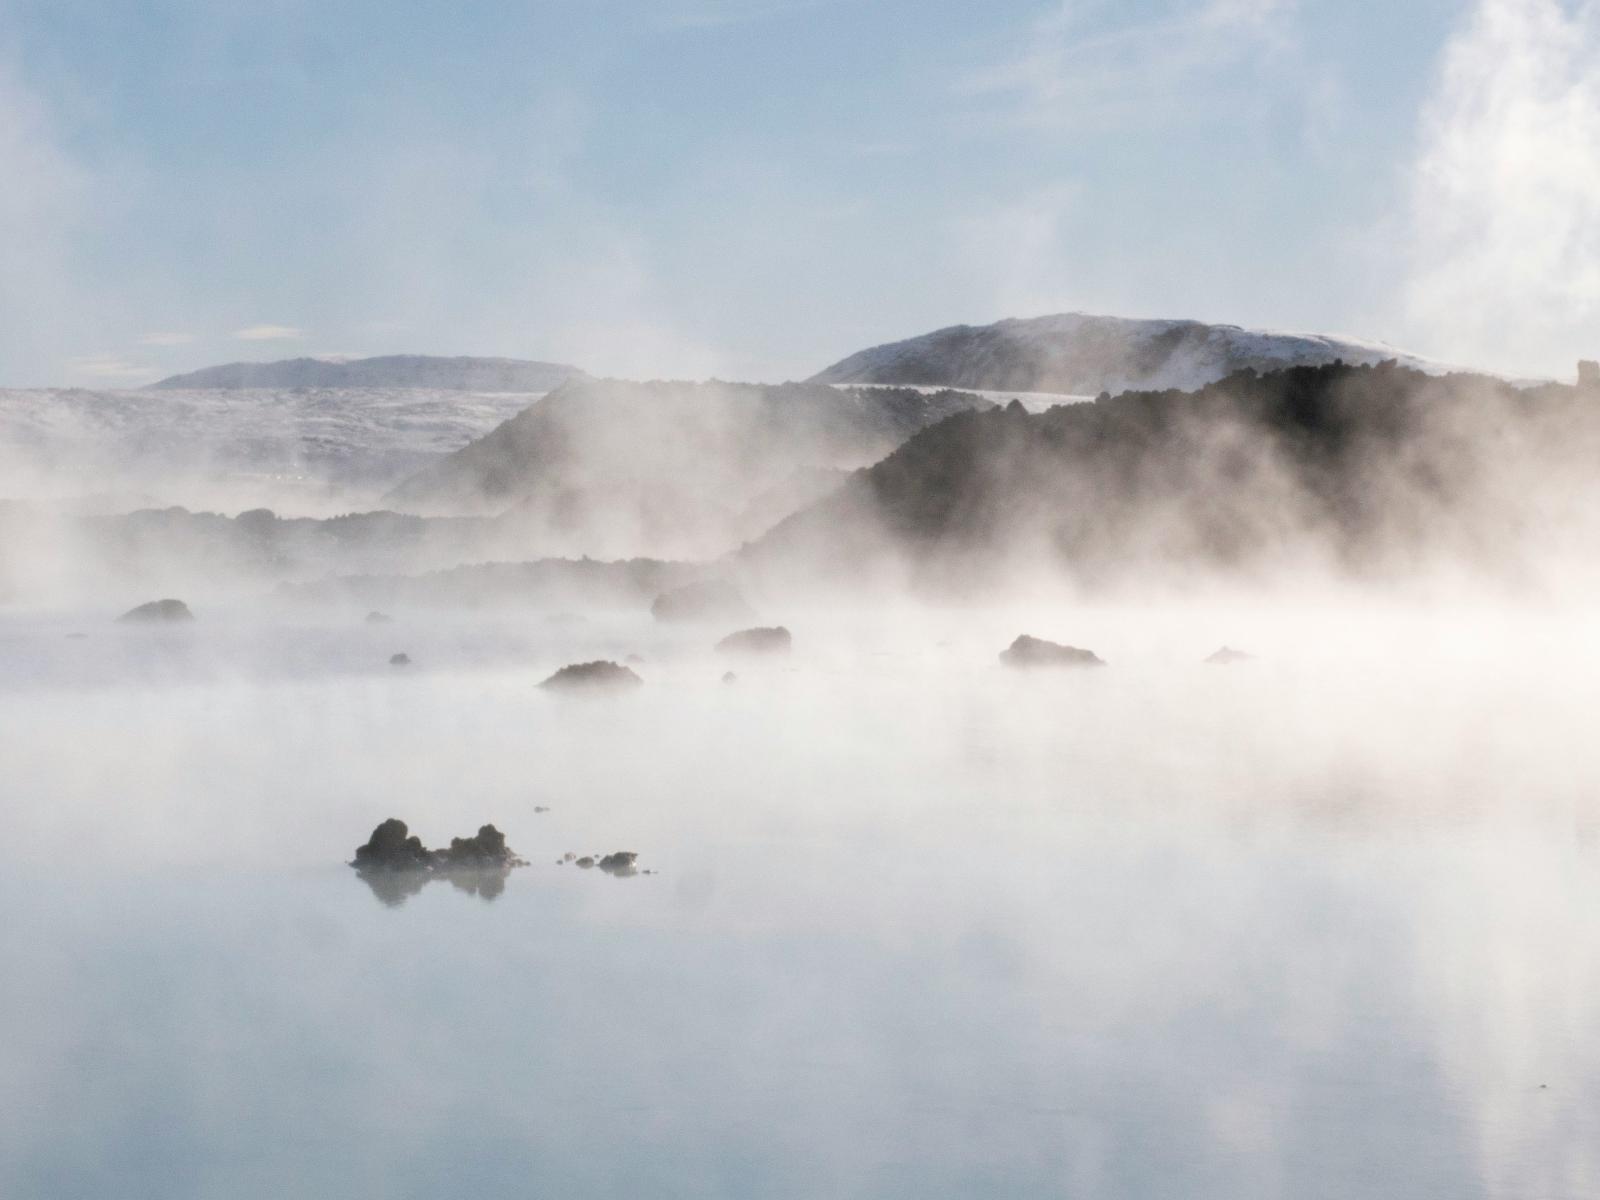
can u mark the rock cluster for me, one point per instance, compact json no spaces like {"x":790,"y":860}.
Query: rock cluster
{"x":592,"y":677}
{"x":1029,"y":651}
{"x":393,"y":847}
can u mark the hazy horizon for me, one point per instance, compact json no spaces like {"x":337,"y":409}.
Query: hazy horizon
{"x":754,"y":190}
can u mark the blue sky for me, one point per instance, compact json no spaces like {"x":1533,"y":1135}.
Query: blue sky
{"x":753,"y":188}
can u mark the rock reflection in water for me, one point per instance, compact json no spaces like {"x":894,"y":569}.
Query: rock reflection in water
{"x":393,"y":888}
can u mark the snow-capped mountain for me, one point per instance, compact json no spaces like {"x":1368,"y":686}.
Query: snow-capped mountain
{"x":310,"y":450}
{"x":390,"y":371}
{"x":1075,"y":354}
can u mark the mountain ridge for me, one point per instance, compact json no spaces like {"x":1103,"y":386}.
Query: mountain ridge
{"x":459,"y":373}
{"x":1084,"y":354}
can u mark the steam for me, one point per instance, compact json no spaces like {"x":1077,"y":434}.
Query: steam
{"x":1505,"y":196}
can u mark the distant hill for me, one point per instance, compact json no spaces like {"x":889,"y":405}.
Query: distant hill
{"x":1077,"y":354}
{"x":1343,"y":470}
{"x":390,"y":371}
{"x":615,"y":469}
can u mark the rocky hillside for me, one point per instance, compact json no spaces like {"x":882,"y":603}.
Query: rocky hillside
{"x":1352,"y":470}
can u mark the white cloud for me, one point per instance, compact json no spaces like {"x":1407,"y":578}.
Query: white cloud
{"x":107,"y":367}
{"x":166,"y":339}
{"x":1504,"y":213}
{"x":268,"y":333}
{"x":1085,"y":67}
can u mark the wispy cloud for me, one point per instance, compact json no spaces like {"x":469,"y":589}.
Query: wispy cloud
{"x":1086,"y":65}
{"x":166,"y":339}
{"x":109,"y":367}
{"x":268,"y":333}
{"x":1504,"y":227}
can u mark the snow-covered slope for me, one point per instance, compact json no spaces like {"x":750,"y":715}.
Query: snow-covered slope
{"x":390,"y":371}
{"x":1078,"y":354}
{"x":307,"y":450}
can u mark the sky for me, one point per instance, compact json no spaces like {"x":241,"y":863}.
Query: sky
{"x":756,"y":188}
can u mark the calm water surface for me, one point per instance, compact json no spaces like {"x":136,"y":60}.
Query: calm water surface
{"x":1327,"y":925}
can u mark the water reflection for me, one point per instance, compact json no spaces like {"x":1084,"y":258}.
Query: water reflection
{"x":394,"y":888}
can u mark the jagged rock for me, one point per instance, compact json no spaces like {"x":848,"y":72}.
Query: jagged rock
{"x":1228,"y":656}
{"x":486,"y":849}
{"x":400,"y":660}
{"x":708,"y":600}
{"x":1029,"y":651}
{"x":593,"y":677}
{"x":159,"y":610}
{"x":620,"y":863}
{"x":392,"y":847}
{"x":774,"y":640}
{"x":378,"y":618}
{"x":395,"y":864}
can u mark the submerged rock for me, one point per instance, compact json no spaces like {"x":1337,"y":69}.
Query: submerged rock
{"x":1029,"y":651}
{"x":708,"y":600}
{"x":773,"y":640}
{"x":1227,"y":656}
{"x":400,"y":660}
{"x":159,"y":610}
{"x":620,"y":863}
{"x":378,"y":618}
{"x":585,"y":862}
{"x":592,"y":677}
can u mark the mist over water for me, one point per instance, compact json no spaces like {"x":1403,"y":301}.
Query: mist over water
{"x":1316,"y":924}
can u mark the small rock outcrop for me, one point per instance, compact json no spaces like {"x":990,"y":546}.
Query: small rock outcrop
{"x":378,"y":618}
{"x":773,"y":640}
{"x":1227,"y":656}
{"x":1029,"y":651}
{"x":400,"y":660}
{"x":708,"y":600}
{"x":396,"y":865}
{"x":159,"y":610}
{"x":619,"y":863}
{"x":729,"y":677}
{"x":592,"y":677}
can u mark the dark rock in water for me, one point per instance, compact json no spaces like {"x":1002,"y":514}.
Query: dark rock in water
{"x":729,"y":677}
{"x":539,"y":808}
{"x":396,"y":865}
{"x":775,"y":640}
{"x":621,"y":863}
{"x":586,"y":862}
{"x":592,"y":677}
{"x":400,"y":660}
{"x":392,"y":847}
{"x":378,"y":618}
{"x":1228,"y":656}
{"x":1029,"y":651}
{"x":159,"y":610}
{"x":709,"y":600}
{"x":486,"y":849}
